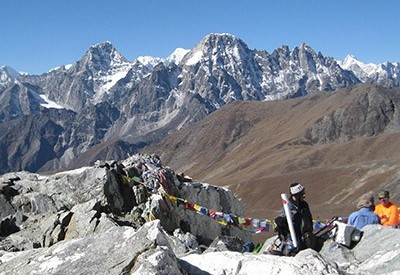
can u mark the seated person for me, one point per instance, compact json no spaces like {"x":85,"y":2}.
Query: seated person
{"x":365,"y":213}
{"x":387,"y":211}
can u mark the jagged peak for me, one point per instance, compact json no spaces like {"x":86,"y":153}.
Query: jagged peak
{"x":106,"y":45}
{"x":10,"y":72}
{"x":350,"y":59}
{"x":219,"y":35}
{"x":221,"y":40}
{"x":304,"y":48}
{"x":104,"y":51}
{"x":215,"y":44}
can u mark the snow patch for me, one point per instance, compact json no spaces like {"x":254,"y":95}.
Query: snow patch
{"x":49,"y":104}
{"x":196,"y":58}
{"x":149,"y":61}
{"x":74,"y":172}
{"x":177,"y":56}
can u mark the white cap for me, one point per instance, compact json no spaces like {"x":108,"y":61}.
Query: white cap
{"x":296,"y":189}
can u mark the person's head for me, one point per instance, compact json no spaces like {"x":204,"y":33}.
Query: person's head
{"x":366,"y":201}
{"x":383,"y":197}
{"x":297,"y":191}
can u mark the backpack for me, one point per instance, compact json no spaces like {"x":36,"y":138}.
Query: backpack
{"x":346,"y":235}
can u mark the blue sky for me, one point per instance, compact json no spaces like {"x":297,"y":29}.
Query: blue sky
{"x":36,"y":36}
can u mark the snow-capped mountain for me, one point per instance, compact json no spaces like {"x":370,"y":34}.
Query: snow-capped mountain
{"x":7,"y":76}
{"x":112,"y":105}
{"x":385,"y":74}
{"x":175,"y":57}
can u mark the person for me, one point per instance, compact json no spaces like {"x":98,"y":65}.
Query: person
{"x":386,"y":210}
{"x":302,"y":219}
{"x":365,"y":213}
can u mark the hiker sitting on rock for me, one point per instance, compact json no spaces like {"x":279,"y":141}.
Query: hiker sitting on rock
{"x":387,"y":211}
{"x":365,"y":213}
{"x":302,"y":219}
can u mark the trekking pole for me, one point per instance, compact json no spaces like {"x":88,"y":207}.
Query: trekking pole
{"x":289,"y":219}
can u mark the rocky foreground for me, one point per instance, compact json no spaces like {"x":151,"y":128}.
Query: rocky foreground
{"x":114,"y":218}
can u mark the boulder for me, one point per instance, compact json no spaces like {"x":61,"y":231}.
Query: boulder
{"x":119,"y":250}
{"x":378,"y":252}
{"x":229,"y":262}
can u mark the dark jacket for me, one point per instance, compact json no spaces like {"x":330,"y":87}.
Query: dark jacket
{"x":302,"y":221}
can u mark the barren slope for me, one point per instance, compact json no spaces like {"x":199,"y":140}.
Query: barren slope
{"x":338,"y":145}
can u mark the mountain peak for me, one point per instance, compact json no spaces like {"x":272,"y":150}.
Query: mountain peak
{"x":214,"y":45}
{"x":349,"y":60}
{"x":221,"y":40}
{"x":10,"y":72}
{"x":104,"y":52}
{"x":106,"y":46}
{"x":177,"y":55}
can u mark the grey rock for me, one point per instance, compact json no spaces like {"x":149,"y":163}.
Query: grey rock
{"x":119,"y":250}
{"x":228,"y":262}
{"x":81,"y":202}
{"x":374,"y":111}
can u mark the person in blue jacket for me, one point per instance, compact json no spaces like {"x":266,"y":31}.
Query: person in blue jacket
{"x":365,"y":213}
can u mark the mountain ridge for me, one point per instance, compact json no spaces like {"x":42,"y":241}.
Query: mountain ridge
{"x":138,"y":104}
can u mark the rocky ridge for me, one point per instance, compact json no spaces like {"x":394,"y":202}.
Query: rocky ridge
{"x":111,"y":219}
{"x":103,"y":102}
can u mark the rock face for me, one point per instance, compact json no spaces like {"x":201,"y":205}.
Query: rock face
{"x":371,"y":112}
{"x":151,"y":250}
{"x":119,"y":250}
{"x":39,"y":211}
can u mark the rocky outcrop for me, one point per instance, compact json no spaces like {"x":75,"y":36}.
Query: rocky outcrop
{"x":121,"y":218}
{"x":39,"y":211}
{"x":151,"y":250}
{"x":373,"y":111}
{"x":120,"y":250}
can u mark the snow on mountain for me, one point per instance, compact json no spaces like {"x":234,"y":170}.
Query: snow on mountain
{"x":108,"y":66}
{"x":386,"y":74}
{"x":13,"y":74}
{"x":63,"y":67}
{"x":47,"y":103}
{"x":7,"y":76}
{"x":177,"y":55}
{"x":120,"y":98}
{"x":195,"y":58}
{"x":361,"y":70}
{"x":150,"y":61}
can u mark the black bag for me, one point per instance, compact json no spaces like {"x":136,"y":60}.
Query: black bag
{"x":282,"y":227}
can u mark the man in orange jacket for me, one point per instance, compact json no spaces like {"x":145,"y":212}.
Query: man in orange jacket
{"x":387,"y":211}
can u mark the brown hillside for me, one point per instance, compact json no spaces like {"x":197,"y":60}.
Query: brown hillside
{"x":258,"y":148}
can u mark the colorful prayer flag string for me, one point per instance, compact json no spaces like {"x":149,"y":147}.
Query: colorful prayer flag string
{"x":259,"y":225}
